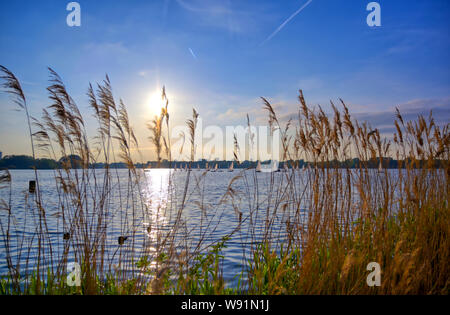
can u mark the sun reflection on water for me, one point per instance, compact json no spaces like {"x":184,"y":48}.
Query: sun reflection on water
{"x":157,"y":198}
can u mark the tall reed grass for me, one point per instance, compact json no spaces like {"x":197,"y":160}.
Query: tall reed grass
{"x":334,"y":221}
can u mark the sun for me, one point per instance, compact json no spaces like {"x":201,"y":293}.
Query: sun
{"x":155,"y":103}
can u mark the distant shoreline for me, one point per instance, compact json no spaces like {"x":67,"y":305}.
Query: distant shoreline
{"x":24,"y":162}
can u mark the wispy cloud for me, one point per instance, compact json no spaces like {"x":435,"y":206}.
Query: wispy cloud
{"x":311,"y":83}
{"x":254,"y":108}
{"x":286,"y":22}
{"x":204,"y":7}
{"x":410,"y":111}
{"x":29,"y":83}
{"x":236,"y":17}
{"x":406,"y":40}
{"x":143,"y":73}
{"x":105,"y":48}
{"x":384,"y":120}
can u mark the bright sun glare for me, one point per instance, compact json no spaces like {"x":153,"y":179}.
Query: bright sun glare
{"x":155,"y":103}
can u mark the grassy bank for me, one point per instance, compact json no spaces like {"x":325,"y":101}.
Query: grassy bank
{"x":399,"y":218}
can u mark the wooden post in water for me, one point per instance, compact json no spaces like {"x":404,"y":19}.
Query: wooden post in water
{"x":122,"y":240}
{"x":32,"y":186}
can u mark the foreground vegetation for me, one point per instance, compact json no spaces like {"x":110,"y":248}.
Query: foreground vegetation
{"x":399,"y":219}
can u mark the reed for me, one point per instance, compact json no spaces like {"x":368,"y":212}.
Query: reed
{"x":311,"y":231}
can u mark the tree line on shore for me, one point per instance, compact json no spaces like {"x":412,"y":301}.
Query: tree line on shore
{"x":24,"y":162}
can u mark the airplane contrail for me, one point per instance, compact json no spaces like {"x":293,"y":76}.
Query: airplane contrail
{"x":192,"y":53}
{"x":286,"y":22}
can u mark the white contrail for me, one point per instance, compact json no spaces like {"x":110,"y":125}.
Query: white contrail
{"x":192,"y":53}
{"x":286,"y":22}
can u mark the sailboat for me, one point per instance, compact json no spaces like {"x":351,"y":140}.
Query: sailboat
{"x":231,"y":169}
{"x":258,"y":167}
{"x":380,"y":168}
{"x":207,"y":167}
{"x":276,"y":167}
{"x":216,"y":168}
{"x":175,"y":168}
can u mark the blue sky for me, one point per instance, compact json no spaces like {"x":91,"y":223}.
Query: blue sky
{"x":213,"y":55}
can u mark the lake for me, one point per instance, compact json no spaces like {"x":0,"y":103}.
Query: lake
{"x":198,"y":213}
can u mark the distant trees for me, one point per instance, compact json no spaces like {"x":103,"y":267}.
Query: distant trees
{"x":71,"y":161}
{"x":27,"y":162}
{"x":74,"y":161}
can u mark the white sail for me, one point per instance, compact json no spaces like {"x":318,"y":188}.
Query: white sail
{"x":276,"y":166}
{"x":258,"y":168}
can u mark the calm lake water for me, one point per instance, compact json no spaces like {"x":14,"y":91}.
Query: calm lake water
{"x":191,"y":206}
{"x":207,"y":213}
